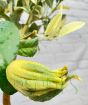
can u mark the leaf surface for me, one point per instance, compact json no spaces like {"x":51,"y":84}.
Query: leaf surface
{"x":9,"y":41}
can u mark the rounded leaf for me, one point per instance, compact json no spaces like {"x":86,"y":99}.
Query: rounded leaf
{"x":9,"y":41}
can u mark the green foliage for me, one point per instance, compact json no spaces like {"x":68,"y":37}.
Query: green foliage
{"x":5,"y":86}
{"x":28,"y":47}
{"x":35,"y":8}
{"x":49,"y":3}
{"x":9,"y":41}
{"x":37,"y":11}
{"x":2,"y":5}
{"x":26,"y":44}
{"x":29,"y":43}
{"x":34,"y":1}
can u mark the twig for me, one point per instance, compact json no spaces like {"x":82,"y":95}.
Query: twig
{"x":6,"y":99}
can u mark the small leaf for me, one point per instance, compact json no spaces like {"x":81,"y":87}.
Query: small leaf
{"x":37,"y":11}
{"x":28,"y":43}
{"x":55,"y":33}
{"x":27,"y":2}
{"x":27,"y":52}
{"x":33,"y":27}
{"x":28,"y":47}
{"x":34,"y":1}
{"x":73,"y":26}
{"x":20,"y":3}
{"x":15,"y":2}
{"x":3,"y":5}
{"x":49,"y":3}
{"x":15,"y":17}
{"x":59,"y":1}
{"x":53,"y":24}
{"x":10,"y":7}
{"x":64,"y":7}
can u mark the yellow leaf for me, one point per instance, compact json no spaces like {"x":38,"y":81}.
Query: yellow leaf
{"x":53,"y":24}
{"x":64,"y":7}
{"x":73,"y":26}
{"x":55,"y":33}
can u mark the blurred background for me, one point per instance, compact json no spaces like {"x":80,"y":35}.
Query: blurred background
{"x":71,"y":50}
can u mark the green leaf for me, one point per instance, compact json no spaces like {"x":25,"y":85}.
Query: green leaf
{"x":49,"y":3}
{"x":4,"y":16}
{"x":27,"y":2}
{"x":71,"y":27}
{"x":34,"y":1}
{"x":15,"y":17}
{"x":27,"y":52}
{"x":33,"y":27}
{"x":28,"y":43}
{"x":20,"y":3}
{"x":28,"y":47}
{"x":2,"y":63}
{"x":37,"y":11}
{"x":10,"y":7}
{"x":59,"y":1}
{"x":3,"y":5}
{"x":9,"y":41}
{"x":5,"y":86}
{"x":16,"y":2}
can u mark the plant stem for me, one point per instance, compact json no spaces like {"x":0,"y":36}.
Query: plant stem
{"x":25,"y":27}
{"x":6,"y":99}
{"x":54,"y":8}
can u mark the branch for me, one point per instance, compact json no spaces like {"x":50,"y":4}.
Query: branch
{"x":6,"y":99}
